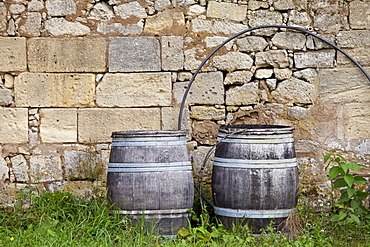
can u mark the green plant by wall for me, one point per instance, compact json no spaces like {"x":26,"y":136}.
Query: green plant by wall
{"x":350,"y":204}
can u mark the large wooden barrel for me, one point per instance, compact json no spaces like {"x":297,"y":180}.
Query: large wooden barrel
{"x":255,"y":175}
{"x":150,"y":176}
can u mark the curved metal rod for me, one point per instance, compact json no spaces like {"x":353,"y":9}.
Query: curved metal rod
{"x":304,"y":30}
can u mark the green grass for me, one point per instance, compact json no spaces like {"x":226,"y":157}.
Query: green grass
{"x":61,"y":219}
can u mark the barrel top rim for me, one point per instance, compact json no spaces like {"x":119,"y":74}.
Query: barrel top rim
{"x":255,"y":128}
{"x":151,"y":133}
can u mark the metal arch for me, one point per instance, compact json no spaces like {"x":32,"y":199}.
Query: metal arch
{"x":301,"y":29}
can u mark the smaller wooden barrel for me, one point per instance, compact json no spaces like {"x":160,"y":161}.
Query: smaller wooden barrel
{"x":255,"y":175}
{"x":150,"y":176}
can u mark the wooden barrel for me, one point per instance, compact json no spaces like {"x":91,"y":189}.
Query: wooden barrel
{"x":150,"y":176}
{"x":255,"y":175}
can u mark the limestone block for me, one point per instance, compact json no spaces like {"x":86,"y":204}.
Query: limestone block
{"x":134,"y":28}
{"x":246,"y":94}
{"x":54,"y":90}
{"x":314,"y":43}
{"x":216,"y":27}
{"x":4,"y":170}
{"x":360,"y":54}
{"x":295,"y":91}
{"x":233,"y":61}
{"x":238,"y":77}
{"x":297,"y":18}
{"x":101,"y":11}
{"x":315,"y":59}
{"x":60,"y":26}
{"x":271,"y":83}
{"x":359,"y":117}
{"x":353,"y":39}
{"x":170,"y":118}
{"x":44,"y":168}
{"x":127,"y":10}
{"x":284,"y":4}
{"x":13,"y":54}
{"x":13,"y":125}
{"x":161,"y":4}
{"x":298,"y":113}
{"x":32,"y":25}
{"x":359,"y":14}
{"x":205,"y":132}
{"x":58,"y":125}
{"x":196,"y":10}
{"x":207,"y":113}
{"x":309,"y":75}
{"x":3,"y":14}
{"x":265,"y":17}
{"x":137,"y":54}
{"x":60,"y":7}
{"x":229,"y":11}
{"x":251,"y":43}
{"x":328,"y":22}
{"x":256,"y":4}
{"x":172,"y":53}
{"x":274,"y":58}
{"x":343,"y":85}
{"x":67,"y":55}
{"x":263,"y":73}
{"x":96,"y":125}
{"x":217,"y":40}
{"x":20,"y":168}
{"x":35,"y":5}
{"x":289,"y":40}
{"x":193,"y":58}
{"x":9,"y":81}
{"x":207,"y":88}
{"x":283,"y":74}
{"x":16,"y":8}
{"x":6,"y":97}
{"x":134,"y":89}
{"x":167,"y":21}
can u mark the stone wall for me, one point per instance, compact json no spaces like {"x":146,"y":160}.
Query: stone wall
{"x":73,"y":71}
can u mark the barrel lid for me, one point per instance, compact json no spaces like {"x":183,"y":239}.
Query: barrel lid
{"x":148,"y":133}
{"x":254,"y":129}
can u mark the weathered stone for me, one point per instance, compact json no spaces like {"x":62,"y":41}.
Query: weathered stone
{"x":246,"y":94}
{"x":359,"y":14}
{"x":207,"y":113}
{"x":172,"y":53}
{"x":35,"y":5}
{"x":289,"y":40}
{"x":96,"y":125}
{"x":127,"y":10}
{"x":309,"y":75}
{"x":60,"y":26}
{"x":4,"y":170}
{"x":298,"y":113}
{"x":265,"y":17}
{"x":271,"y":83}
{"x":359,"y":117}
{"x":9,"y":81}
{"x":140,"y":54}
{"x":60,"y":7}
{"x":32,"y":25}
{"x":170,"y":117}
{"x":54,"y":90}
{"x":101,"y":11}
{"x":295,"y":91}
{"x":252,"y":43}
{"x":284,"y":4}
{"x":328,"y":22}
{"x":161,"y":4}
{"x":44,"y":168}
{"x":205,"y":132}
{"x":3,"y":14}
{"x":282,"y":74}
{"x":307,"y":146}
{"x":315,"y":59}
{"x":216,"y":27}
{"x":272,"y":58}
{"x":134,"y":89}
{"x":58,"y":125}
{"x":67,"y":55}
{"x":13,"y":125}
{"x":263,"y":73}
{"x":353,"y":39}
{"x":343,"y":85}
{"x":208,"y":88}
{"x":314,"y":43}
{"x":134,"y":28}
{"x":229,"y":11}
{"x":238,"y":77}
{"x":196,"y":10}
{"x":297,"y":18}
{"x":360,"y":54}
{"x":233,"y":61}
{"x":255,"y":4}
{"x":167,"y":21}
{"x":6,"y":97}
{"x":193,"y":58}
{"x":20,"y":168}
{"x":13,"y":54}
{"x":216,"y":41}
{"x":17,"y":9}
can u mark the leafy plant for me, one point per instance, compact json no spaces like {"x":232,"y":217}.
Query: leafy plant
{"x":350,"y":204}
